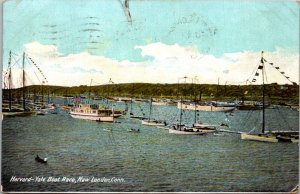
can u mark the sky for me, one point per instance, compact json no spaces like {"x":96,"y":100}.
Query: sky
{"x":75,"y":41}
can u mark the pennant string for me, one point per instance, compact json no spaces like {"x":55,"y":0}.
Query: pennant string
{"x":260,"y":67}
{"x":44,"y":77}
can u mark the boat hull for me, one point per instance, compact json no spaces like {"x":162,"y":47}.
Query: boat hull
{"x":256,"y":137}
{"x":269,"y":138}
{"x":210,"y":108}
{"x":152,"y":123}
{"x":136,"y":117}
{"x":92,"y":117}
{"x":18,"y":114}
{"x":249,"y":107}
{"x":182,"y":132}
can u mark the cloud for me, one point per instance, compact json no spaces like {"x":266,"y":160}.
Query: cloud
{"x":38,"y":49}
{"x":226,"y":71}
{"x":169,"y":62}
{"x":232,"y":68}
{"x":163,"y":51}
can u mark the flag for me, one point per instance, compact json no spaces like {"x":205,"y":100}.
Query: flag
{"x":77,"y":99}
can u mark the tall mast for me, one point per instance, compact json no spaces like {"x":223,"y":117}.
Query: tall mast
{"x":150,"y":109}
{"x":263,"y":72}
{"x":131,"y":100}
{"x":180,"y":117}
{"x":34,"y":95}
{"x":9,"y":81}
{"x":23,"y":88}
{"x":42,"y":92}
{"x":90,"y":91}
{"x":48,"y":97}
{"x":195,"y":111}
{"x":217,"y":92}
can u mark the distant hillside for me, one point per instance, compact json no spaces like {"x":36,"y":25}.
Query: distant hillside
{"x":274,"y":92}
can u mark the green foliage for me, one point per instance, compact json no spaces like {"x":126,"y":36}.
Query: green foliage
{"x":274,"y":92}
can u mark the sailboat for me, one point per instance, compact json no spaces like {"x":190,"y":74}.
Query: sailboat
{"x":202,"y":127}
{"x":283,"y":136}
{"x":131,"y":115}
{"x":182,"y":129}
{"x":16,"y":111}
{"x":152,"y":122}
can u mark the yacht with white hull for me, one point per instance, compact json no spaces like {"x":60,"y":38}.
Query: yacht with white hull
{"x":92,"y":112}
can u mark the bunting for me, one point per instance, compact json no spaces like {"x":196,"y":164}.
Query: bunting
{"x":261,"y":66}
{"x":45,"y":79}
{"x":282,"y":72}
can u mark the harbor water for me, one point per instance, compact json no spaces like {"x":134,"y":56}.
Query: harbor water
{"x":85,"y":156}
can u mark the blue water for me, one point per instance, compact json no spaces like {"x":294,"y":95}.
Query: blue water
{"x":152,"y":160}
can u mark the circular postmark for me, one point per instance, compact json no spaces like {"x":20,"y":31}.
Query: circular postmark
{"x":197,"y":31}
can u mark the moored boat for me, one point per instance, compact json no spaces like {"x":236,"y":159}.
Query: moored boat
{"x":184,"y":131}
{"x":92,"y":112}
{"x":270,"y":137}
{"x":210,"y":107}
{"x":152,"y":122}
{"x":275,"y":136}
{"x":205,"y":127}
{"x":41,"y":160}
{"x":133,"y":130}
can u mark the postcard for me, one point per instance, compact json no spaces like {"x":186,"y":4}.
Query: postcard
{"x":150,"y":96}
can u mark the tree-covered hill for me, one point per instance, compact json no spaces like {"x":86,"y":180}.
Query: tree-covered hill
{"x":274,"y":92}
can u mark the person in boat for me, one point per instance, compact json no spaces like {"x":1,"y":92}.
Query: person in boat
{"x":37,"y":158}
{"x":224,"y":125}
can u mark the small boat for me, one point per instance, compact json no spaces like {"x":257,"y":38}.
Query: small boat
{"x":65,"y":108}
{"x":107,"y":130}
{"x":182,"y":129}
{"x":41,"y":112}
{"x":163,"y":127}
{"x":185,"y":131}
{"x":137,"y":117}
{"x":134,"y":130}
{"x":218,"y":134}
{"x":152,"y":122}
{"x":249,"y":105}
{"x":41,"y":160}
